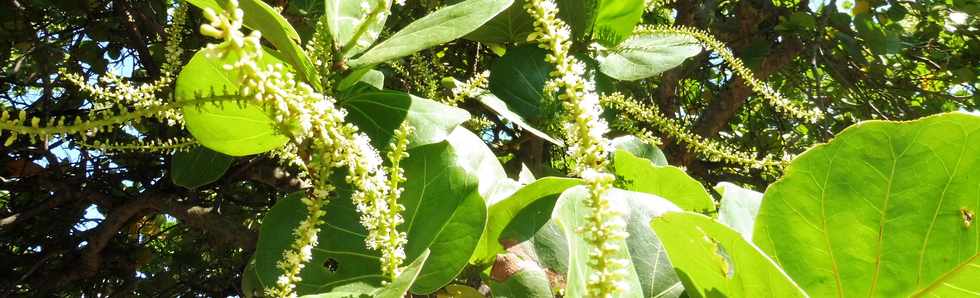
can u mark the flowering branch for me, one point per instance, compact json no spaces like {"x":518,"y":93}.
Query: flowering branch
{"x":321,"y":142}
{"x":587,"y":146}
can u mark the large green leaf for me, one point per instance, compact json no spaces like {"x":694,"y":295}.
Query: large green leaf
{"x":615,"y":20}
{"x":518,"y":79}
{"x":640,"y":174}
{"x":380,"y":113}
{"x":444,"y":209}
{"x":515,"y":209}
{"x":510,"y":26}
{"x":715,"y":261}
{"x":646,"y":54}
{"x":739,"y":207}
{"x":198,"y":167}
{"x":648,"y":272}
{"x":439,"y":27}
{"x":345,"y":17}
{"x":445,"y":213}
{"x":227,"y":127}
{"x":879,"y":211}
{"x":340,"y":261}
{"x":274,"y":27}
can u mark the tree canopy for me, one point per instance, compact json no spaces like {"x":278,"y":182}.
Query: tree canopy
{"x":734,"y":97}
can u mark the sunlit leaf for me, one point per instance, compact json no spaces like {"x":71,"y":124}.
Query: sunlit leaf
{"x":880,"y":211}
{"x":439,"y":27}
{"x":715,"y":261}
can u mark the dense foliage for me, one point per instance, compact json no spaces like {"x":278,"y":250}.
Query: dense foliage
{"x":499,"y":148}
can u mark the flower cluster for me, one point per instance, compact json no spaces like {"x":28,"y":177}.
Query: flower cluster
{"x":587,"y":147}
{"x":119,"y":104}
{"x":473,"y":87}
{"x":706,"y":40}
{"x":710,"y":149}
{"x":393,"y":241}
{"x":175,"y":35}
{"x":323,"y":142}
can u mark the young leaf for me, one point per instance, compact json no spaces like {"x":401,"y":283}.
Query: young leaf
{"x":442,"y":26}
{"x":739,"y":207}
{"x":227,"y":127}
{"x":345,"y":17}
{"x":274,"y":27}
{"x":380,"y":113}
{"x":646,"y":54}
{"x":198,"y":167}
{"x":639,"y":174}
{"x":883,"y":210}
{"x":715,"y":261}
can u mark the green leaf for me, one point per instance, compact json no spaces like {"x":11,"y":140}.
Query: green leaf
{"x":441,"y":26}
{"x":398,"y":287}
{"x":638,"y":148}
{"x":648,"y":273}
{"x":227,"y":127}
{"x":646,"y":54}
{"x":345,"y":17}
{"x":615,"y":20}
{"x":518,"y":79}
{"x":639,"y":174}
{"x":739,"y":207}
{"x":510,"y":26}
{"x":959,"y":282}
{"x":444,"y":210}
{"x":395,"y":289}
{"x":277,"y":30}
{"x":380,"y":113}
{"x":880,"y":210}
{"x":513,"y":209}
{"x":198,"y":167}
{"x":715,"y":261}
